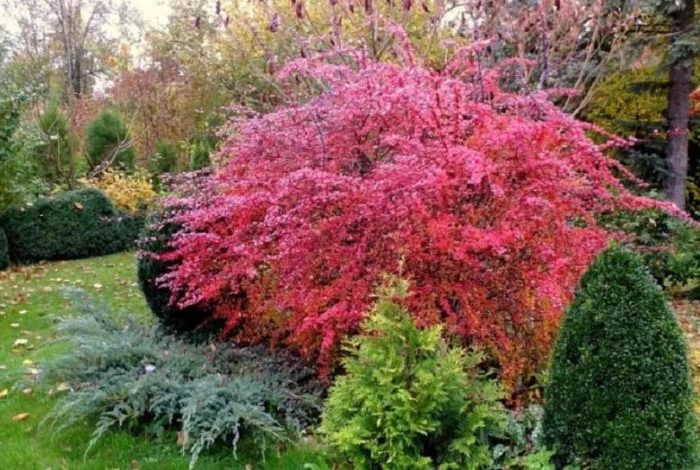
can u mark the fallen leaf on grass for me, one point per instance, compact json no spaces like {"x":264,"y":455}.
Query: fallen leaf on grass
{"x":4,"y":393}
{"x":21,"y":342}
{"x":20,"y":417}
{"x":14,"y":325}
{"x":27,"y":363}
{"x":27,"y":391}
{"x":62,"y":387}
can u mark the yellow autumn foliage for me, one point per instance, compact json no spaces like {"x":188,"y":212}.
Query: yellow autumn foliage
{"x":129,"y":192}
{"x":617,"y":105}
{"x":623,"y":105}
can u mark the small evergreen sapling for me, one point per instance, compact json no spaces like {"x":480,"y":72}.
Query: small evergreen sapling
{"x":620,"y":394}
{"x":408,"y":400}
{"x":109,"y":143}
{"x":165,"y":158}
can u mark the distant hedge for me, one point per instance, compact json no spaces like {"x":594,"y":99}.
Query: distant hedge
{"x":75,"y":224}
{"x":4,"y":252}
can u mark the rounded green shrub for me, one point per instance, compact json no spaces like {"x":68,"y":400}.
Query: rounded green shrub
{"x":619,"y":393}
{"x":408,"y":400}
{"x":75,"y":224}
{"x":154,"y":240}
{"x":4,"y":252}
{"x":109,"y":139}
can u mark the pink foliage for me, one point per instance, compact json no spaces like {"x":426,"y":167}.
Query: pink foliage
{"x":484,"y":199}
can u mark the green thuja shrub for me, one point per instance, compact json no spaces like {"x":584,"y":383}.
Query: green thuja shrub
{"x":408,"y":400}
{"x":619,"y":393}
{"x":75,"y":224}
{"x":125,"y":375}
{"x":109,"y":143}
{"x":4,"y":252}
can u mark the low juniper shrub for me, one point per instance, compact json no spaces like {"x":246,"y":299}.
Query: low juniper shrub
{"x":123,"y":374}
{"x":619,"y":393}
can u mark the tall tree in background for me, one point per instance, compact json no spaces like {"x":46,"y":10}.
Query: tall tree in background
{"x":77,"y":22}
{"x":682,"y":50}
{"x":71,"y":33}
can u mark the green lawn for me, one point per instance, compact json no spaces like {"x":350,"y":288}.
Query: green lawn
{"x":30,"y":300}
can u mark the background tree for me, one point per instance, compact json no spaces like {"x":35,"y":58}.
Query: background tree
{"x":71,"y":32}
{"x":572,"y":42}
{"x":681,"y":54}
{"x":19,"y":88}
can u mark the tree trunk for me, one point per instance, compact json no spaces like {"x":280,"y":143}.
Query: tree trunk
{"x":680,"y":86}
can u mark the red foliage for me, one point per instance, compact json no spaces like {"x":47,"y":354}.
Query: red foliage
{"x":483,"y":199}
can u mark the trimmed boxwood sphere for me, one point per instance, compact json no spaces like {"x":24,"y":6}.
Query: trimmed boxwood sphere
{"x":619,"y":394}
{"x":70,"y":225}
{"x":155,"y":238}
{"x":4,"y":252}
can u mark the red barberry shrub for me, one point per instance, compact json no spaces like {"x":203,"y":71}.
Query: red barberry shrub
{"x":484,"y":199}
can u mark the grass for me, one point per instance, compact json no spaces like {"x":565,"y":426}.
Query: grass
{"x":31,"y":298}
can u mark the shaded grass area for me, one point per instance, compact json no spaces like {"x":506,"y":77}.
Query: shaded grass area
{"x":31,"y":298}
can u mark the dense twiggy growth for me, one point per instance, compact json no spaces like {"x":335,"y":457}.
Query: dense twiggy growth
{"x":484,"y":199}
{"x":154,"y":239}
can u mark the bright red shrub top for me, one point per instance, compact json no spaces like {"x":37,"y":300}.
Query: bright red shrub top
{"x":483,"y":199}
